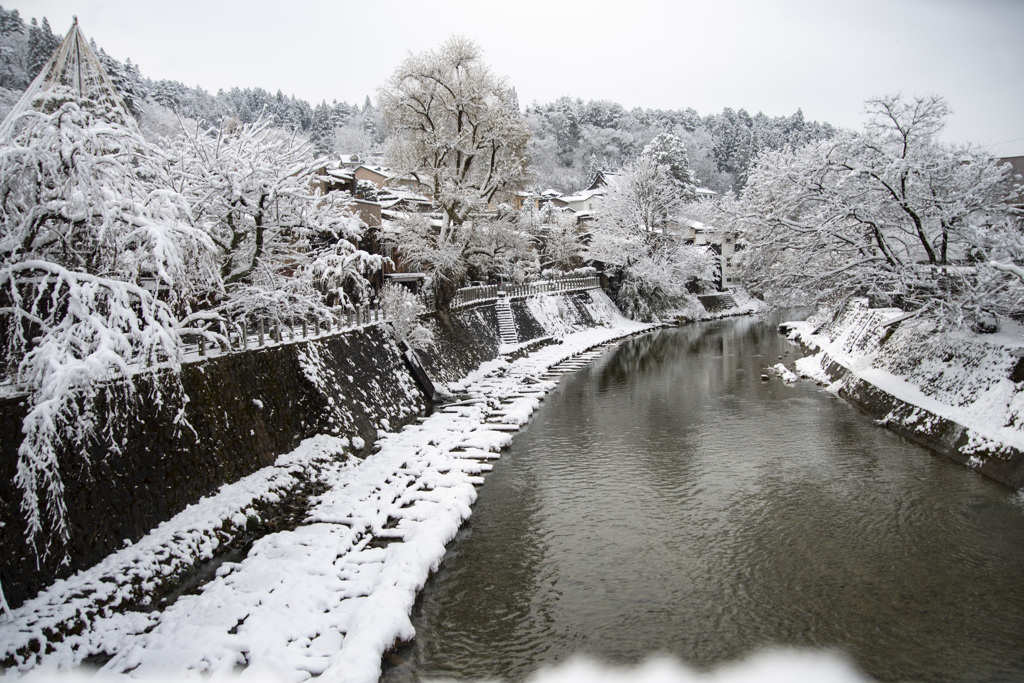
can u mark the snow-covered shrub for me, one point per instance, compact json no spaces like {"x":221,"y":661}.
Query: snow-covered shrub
{"x":650,"y":275}
{"x":282,"y":251}
{"x":437,"y":253}
{"x":98,"y":263}
{"x":649,"y":268}
{"x":402,"y":310}
{"x":559,"y":241}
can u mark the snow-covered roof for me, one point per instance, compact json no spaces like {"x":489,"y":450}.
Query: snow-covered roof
{"x":583,"y":196}
{"x":407,"y":195}
{"x":379,"y":170}
{"x":604,"y":179}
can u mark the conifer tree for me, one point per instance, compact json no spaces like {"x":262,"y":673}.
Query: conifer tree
{"x":321,"y":132}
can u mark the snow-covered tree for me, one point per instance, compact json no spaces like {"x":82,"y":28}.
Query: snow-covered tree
{"x":650,"y":268}
{"x":649,"y":274}
{"x":424,"y":247}
{"x":888,"y":213}
{"x":41,"y":44}
{"x":279,"y":247}
{"x":482,"y":248}
{"x":560,"y":242}
{"x":402,"y":310}
{"x":127,"y":79}
{"x":321,"y":133}
{"x":644,"y":197}
{"x":668,"y":151}
{"x":452,"y":122}
{"x":98,"y":263}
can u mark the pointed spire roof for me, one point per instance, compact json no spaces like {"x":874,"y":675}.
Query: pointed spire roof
{"x":73,"y":66}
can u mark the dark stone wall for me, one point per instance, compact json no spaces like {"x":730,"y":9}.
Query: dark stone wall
{"x":463,"y":340}
{"x":527,"y":327}
{"x":243,"y":411}
{"x":1005,"y":465}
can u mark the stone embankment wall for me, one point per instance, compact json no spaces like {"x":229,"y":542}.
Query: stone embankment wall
{"x":243,"y":410}
{"x":958,"y":393}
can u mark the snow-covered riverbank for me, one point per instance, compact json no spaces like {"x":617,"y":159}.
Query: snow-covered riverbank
{"x":958,"y":392}
{"x":329,"y":596}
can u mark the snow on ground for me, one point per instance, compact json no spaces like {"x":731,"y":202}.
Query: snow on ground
{"x":784,"y":373}
{"x":959,"y":376}
{"x":329,"y":597}
{"x":694,"y":310}
{"x":127,"y":577}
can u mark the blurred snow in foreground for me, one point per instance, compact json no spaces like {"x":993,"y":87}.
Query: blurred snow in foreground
{"x":776,"y":666}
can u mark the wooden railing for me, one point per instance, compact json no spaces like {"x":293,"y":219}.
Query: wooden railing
{"x":564,"y":284}
{"x":470,"y":295}
{"x":266,"y":332}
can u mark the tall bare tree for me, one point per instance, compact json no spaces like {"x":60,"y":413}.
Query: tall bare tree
{"x":890,"y":213}
{"x":455,"y":125}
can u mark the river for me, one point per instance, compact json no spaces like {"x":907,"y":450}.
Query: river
{"x":666,"y":500}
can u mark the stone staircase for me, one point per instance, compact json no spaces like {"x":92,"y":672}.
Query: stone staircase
{"x":506,"y":323}
{"x":716,"y":303}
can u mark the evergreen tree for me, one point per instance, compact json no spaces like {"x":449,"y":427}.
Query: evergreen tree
{"x":12,"y":50}
{"x":126,"y":78}
{"x":370,"y":127}
{"x":321,"y":132}
{"x":10,"y":22}
{"x":669,"y":152}
{"x":41,"y":45}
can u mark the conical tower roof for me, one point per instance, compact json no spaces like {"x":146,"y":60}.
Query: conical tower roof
{"x":75,"y":67}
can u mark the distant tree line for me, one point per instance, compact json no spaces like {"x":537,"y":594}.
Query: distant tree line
{"x":572,"y":139}
{"x":338,"y":126}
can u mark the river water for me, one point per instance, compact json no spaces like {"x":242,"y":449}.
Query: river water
{"x":666,"y":500}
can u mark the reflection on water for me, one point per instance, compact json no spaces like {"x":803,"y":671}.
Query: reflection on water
{"x":666,"y":500}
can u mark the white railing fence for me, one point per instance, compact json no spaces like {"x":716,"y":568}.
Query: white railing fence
{"x":266,"y":332}
{"x":565,"y":284}
{"x":471,"y":295}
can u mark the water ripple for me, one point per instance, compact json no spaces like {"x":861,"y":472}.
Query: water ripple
{"x":667,"y":501}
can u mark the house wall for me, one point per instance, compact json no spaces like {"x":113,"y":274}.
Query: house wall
{"x":363,"y":173}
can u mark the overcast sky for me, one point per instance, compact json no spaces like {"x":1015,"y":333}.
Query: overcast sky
{"x":775,"y":56}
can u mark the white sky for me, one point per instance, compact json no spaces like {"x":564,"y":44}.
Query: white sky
{"x":824,"y":56}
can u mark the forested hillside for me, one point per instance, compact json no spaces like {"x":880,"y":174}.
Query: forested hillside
{"x":570,"y":138}
{"x":25,"y":47}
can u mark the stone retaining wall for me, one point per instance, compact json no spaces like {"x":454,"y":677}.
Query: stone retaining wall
{"x":951,"y":374}
{"x":244,"y":410}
